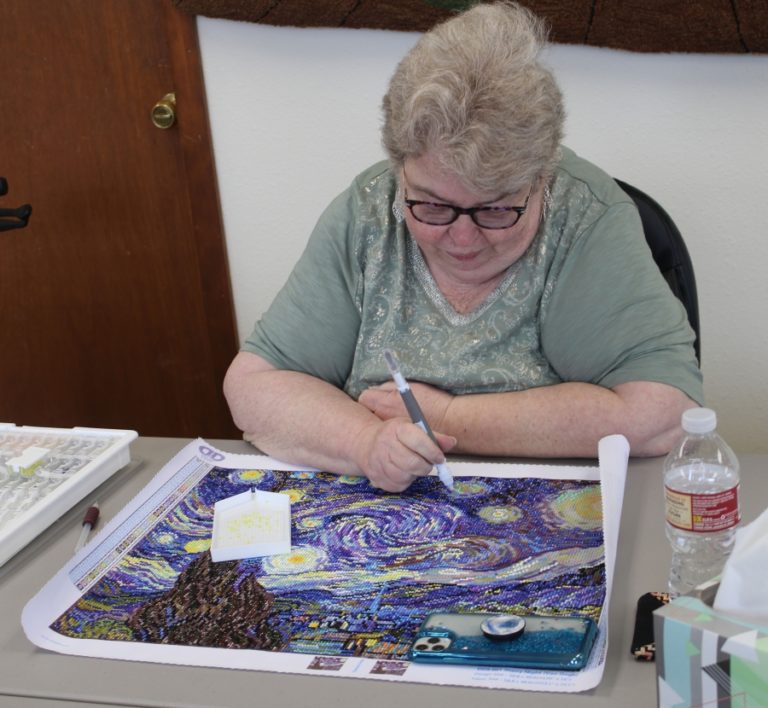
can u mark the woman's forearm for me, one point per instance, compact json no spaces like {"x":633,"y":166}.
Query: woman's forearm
{"x":297,"y":418}
{"x":566,"y":420}
{"x":304,"y":420}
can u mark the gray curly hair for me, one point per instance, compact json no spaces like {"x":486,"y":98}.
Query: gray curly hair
{"x":473,"y":94}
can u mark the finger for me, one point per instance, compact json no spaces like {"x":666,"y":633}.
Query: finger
{"x":375,"y":401}
{"x":368,"y":399}
{"x":384,"y":404}
{"x":446,"y":442}
{"x":401,"y":452}
{"x":413,"y":437}
{"x":392,"y":485}
{"x":392,"y":476}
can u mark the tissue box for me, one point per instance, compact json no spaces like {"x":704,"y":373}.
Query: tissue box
{"x":707,"y":658}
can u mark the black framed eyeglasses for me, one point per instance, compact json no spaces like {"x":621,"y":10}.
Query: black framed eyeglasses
{"x":486,"y":217}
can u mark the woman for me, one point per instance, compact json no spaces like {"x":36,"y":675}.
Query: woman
{"x":510,"y":276}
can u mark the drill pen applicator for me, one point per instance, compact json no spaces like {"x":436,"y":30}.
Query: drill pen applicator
{"x":89,"y":521}
{"x":415,"y":412}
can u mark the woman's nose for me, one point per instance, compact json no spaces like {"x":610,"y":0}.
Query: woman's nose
{"x":463,"y":230}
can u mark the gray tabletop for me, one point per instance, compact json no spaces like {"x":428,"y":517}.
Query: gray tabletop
{"x":31,"y":677}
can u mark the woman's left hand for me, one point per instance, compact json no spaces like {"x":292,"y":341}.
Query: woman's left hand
{"x":385,"y":402}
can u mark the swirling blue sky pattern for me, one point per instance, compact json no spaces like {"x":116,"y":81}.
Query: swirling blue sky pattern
{"x":366,"y":566}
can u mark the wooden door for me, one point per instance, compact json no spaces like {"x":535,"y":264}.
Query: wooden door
{"x":115,"y":302}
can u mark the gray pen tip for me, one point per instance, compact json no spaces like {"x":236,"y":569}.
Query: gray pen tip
{"x":389,"y":357}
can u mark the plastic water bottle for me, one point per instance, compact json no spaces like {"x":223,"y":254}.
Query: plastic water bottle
{"x":701,"y":490}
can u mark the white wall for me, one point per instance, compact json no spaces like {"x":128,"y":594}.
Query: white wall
{"x":295,"y":115}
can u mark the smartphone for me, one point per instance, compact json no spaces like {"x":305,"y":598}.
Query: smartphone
{"x":521,"y":641}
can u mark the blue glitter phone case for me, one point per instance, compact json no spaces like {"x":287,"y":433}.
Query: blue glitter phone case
{"x":553,"y":643}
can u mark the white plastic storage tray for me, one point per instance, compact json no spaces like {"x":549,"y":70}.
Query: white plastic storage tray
{"x":46,"y":471}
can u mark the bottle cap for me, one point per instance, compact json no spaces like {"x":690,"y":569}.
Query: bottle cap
{"x":699,"y":420}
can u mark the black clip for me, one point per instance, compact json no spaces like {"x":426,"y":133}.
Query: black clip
{"x":19,"y":217}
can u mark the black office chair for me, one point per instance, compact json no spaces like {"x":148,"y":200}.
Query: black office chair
{"x":671,"y":255}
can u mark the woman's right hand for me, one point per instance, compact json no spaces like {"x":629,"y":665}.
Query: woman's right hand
{"x":395,"y":452}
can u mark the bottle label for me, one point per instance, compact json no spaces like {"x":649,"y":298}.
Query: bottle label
{"x":702,"y":513}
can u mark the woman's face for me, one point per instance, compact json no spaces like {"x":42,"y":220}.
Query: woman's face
{"x":462,"y":253}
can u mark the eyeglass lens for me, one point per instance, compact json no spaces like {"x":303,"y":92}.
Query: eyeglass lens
{"x":443,"y":214}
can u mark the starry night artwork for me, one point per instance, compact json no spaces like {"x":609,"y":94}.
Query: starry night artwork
{"x":365,"y":569}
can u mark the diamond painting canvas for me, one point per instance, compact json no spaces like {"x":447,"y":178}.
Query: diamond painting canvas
{"x":364,"y":569}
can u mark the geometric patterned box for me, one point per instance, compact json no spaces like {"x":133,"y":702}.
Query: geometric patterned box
{"x":707,"y":658}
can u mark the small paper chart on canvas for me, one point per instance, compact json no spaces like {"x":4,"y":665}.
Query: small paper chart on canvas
{"x":361,"y":570}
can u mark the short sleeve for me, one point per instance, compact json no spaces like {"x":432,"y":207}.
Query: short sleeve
{"x":313,"y":323}
{"x":612,"y":318}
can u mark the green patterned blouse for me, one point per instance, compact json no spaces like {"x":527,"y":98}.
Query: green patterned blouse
{"x":584,"y":303}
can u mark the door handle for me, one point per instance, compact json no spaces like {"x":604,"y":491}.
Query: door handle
{"x":164,"y":112}
{"x":16,"y":218}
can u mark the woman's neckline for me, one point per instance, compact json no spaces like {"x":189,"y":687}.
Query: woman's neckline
{"x":438,"y":298}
